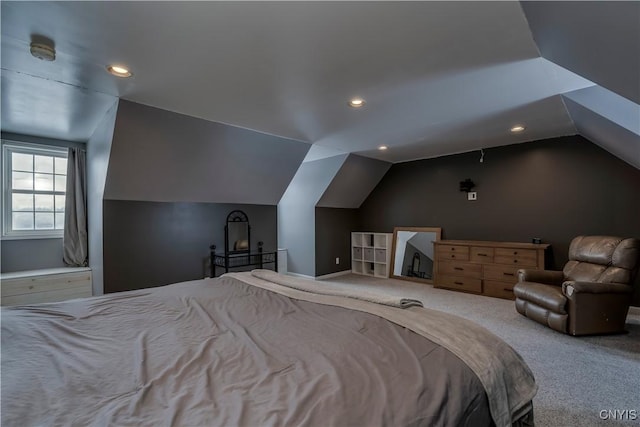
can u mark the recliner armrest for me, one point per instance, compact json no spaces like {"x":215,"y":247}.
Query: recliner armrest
{"x":570,"y":287}
{"x":549,"y":277}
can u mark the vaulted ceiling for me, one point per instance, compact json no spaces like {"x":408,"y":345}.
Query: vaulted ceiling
{"x":438,"y":77}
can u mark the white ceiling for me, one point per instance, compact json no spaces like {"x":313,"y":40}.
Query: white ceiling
{"x":438,"y":77}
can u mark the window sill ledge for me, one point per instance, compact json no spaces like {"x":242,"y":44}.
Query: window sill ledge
{"x":32,"y":237}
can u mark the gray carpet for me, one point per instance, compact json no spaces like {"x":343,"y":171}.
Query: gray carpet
{"x":577,"y":377}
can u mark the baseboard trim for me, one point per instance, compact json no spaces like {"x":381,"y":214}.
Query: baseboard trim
{"x":300,"y":275}
{"x":324,"y":276}
{"x":336,"y":274}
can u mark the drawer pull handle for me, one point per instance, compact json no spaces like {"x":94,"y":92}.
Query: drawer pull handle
{"x":515,"y":252}
{"x":458,"y":268}
{"x":453,"y":249}
{"x":508,"y":274}
{"x":507,"y":289}
{"x":453,"y":256}
{"x":483,"y":255}
{"x":515,"y":261}
{"x":458,"y":283}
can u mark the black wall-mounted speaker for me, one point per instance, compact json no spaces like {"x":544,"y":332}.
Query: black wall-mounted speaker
{"x":466,"y":185}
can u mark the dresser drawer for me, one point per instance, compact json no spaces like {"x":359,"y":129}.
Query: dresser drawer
{"x":455,"y":252}
{"x":460,"y":283}
{"x":502,"y":273}
{"x":494,"y":288}
{"x":33,"y":288}
{"x":520,"y":257}
{"x":35,"y":284}
{"x":479,"y":254}
{"x":485,"y":267}
{"x":460,"y":269}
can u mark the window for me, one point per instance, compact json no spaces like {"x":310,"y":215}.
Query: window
{"x":34,"y":182}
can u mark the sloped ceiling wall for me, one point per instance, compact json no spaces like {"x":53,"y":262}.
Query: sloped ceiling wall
{"x":162,"y":156}
{"x":621,"y":141}
{"x":599,"y":41}
{"x":45,"y":106}
{"x":296,"y":212}
{"x":357,"y":177}
{"x":341,"y":181}
{"x":98,"y":149}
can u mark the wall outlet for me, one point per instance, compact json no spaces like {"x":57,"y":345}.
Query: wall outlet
{"x":337,"y":260}
{"x":472,"y":195}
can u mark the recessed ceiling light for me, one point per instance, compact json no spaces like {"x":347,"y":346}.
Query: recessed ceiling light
{"x":119,"y":70}
{"x":382,"y":147}
{"x":356,"y":102}
{"x":517,"y":129}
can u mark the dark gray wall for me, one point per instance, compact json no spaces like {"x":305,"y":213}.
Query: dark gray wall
{"x":197,"y":171}
{"x":333,"y":238}
{"x":33,"y":254}
{"x":150,"y":244}
{"x":553,"y":189}
{"x":158,"y":155}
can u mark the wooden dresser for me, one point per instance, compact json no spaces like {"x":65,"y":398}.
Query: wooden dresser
{"x":486,"y":268}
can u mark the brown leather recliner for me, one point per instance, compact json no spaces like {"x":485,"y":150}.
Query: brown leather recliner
{"x":591,"y":295}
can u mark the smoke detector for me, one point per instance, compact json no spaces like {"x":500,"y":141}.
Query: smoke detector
{"x":43,"y":51}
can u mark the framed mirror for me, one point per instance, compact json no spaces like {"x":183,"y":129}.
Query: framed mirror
{"x":413,"y":254}
{"x":237,"y":233}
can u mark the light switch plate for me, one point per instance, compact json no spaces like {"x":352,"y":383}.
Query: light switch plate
{"x":472,"y":195}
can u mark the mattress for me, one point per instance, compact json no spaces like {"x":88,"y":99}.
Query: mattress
{"x":231,"y":352}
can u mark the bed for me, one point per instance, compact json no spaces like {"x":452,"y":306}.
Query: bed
{"x":255,"y":349}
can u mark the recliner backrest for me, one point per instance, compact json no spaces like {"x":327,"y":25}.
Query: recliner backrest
{"x":604,"y":259}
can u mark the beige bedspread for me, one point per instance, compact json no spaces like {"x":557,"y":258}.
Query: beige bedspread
{"x":221,"y":352}
{"x":507,"y":379}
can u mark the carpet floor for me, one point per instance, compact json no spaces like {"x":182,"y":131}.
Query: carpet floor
{"x":577,"y":377}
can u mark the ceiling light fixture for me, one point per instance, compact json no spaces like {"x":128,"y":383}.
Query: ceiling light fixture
{"x":43,"y":51}
{"x":517,"y":129}
{"x":356,"y":102}
{"x":119,"y":71}
{"x":382,"y":147}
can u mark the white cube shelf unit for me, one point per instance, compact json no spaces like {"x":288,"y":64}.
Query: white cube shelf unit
{"x":371,"y":253}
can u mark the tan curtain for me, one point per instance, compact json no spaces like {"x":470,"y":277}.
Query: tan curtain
{"x":75,"y":245}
